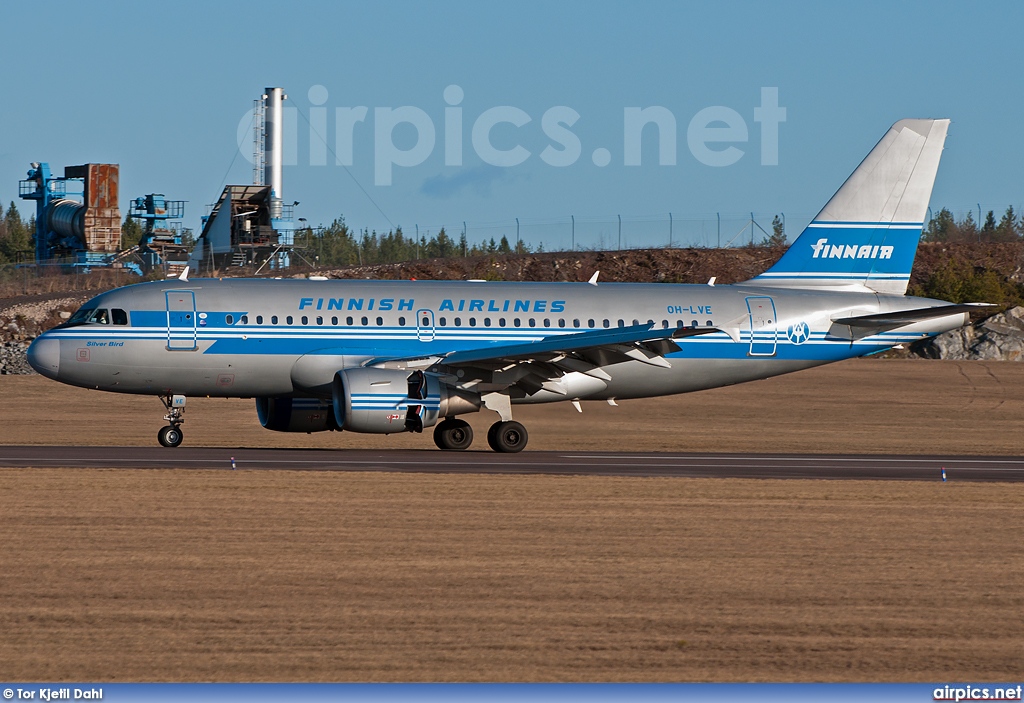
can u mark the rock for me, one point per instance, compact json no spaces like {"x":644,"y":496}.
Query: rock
{"x":12,"y":359}
{"x":997,"y":338}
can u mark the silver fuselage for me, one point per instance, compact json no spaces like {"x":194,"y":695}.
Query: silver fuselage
{"x":266,"y":337}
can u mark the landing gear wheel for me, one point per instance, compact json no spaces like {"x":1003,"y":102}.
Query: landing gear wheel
{"x":453,"y":435}
{"x":507,"y":437}
{"x":170,"y":436}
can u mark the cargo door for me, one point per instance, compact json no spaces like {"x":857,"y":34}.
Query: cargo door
{"x":181,"y":320}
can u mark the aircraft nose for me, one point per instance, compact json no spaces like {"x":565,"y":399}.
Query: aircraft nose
{"x":44,"y":356}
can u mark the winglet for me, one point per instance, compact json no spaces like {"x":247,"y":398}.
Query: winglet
{"x":593,"y":279}
{"x":184,"y":275}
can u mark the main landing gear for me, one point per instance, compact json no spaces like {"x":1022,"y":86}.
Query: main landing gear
{"x":171,"y":435}
{"x":506,"y":437}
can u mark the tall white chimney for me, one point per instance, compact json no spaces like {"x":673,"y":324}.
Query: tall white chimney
{"x":273,"y":135}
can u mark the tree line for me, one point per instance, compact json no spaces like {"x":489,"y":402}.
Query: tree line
{"x":339,"y":245}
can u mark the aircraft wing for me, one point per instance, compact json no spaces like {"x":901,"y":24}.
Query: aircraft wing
{"x":531,"y":364}
{"x":867,"y":325}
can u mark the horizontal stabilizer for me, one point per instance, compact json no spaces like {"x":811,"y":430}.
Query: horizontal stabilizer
{"x":867,"y":325}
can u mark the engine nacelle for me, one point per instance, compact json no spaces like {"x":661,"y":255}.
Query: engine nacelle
{"x":384,"y":401}
{"x":295,"y":414}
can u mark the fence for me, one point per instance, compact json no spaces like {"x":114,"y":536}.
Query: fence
{"x":615,"y":232}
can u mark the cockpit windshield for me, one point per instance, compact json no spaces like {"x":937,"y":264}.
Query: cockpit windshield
{"x":80,"y":317}
{"x":97,"y":316}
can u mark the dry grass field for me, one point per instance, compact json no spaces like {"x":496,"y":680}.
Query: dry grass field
{"x":863,"y":406}
{"x":127,"y":575}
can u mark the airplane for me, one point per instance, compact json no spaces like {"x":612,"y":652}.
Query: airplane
{"x":403,"y":356}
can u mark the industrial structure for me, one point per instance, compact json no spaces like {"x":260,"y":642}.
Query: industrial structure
{"x":79,"y":233}
{"x":250,"y":225}
{"x":164,"y":242}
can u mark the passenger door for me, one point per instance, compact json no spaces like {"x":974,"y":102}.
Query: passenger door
{"x":763,"y":325}
{"x":181,"y":320}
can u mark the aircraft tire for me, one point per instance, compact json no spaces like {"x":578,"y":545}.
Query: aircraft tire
{"x":453,"y":435}
{"x":170,"y":436}
{"x":507,"y":437}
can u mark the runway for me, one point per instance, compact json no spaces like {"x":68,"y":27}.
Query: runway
{"x":679,"y":465}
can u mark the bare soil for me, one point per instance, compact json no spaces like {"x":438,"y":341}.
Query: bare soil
{"x":136,"y":575}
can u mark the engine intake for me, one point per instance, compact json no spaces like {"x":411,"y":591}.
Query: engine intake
{"x":384,"y":401}
{"x":295,"y":414}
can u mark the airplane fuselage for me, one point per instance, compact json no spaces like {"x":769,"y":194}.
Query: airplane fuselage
{"x":266,"y":337}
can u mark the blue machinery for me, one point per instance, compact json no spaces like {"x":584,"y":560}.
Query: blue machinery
{"x":75,"y":233}
{"x":162,"y":240}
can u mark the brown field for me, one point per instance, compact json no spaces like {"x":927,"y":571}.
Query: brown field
{"x":121,"y":575}
{"x":864,"y":406}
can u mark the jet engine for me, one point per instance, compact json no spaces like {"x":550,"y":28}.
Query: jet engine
{"x":383,"y":401}
{"x":295,"y":414}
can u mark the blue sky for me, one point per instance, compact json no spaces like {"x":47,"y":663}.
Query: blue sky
{"x":162,"y":89}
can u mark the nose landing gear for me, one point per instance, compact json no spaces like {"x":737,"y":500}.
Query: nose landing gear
{"x":171,"y":435}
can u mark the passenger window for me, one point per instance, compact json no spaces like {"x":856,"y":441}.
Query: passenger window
{"x":561,"y":322}
{"x":443,"y":321}
{"x":517,"y":322}
{"x":501,"y":322}
{"x":229,"y":319}
{"x":259,"y":319}
{"x":547,"y":322}
{"x":319,"y":320}
{"x":591,"y":323}
{"x":710,"y":324}
{"x":348,"y":321}
{"x":622,"y":323}
{"x":679,"y":324}
{"x":380,"y":321}
{"x":664,"y":324}
{"x":120,"y":317}
{"x":576,"y":323}
{"x":244,"y":320}
{"x":533,"y":323}
{"x":607,"y":324}
{"x":458,"y":322}
{"x":273,"y":319}
{"x":472,"y":322}
{"x":636,"y":322}
{"x":334,"y":320}
{"x":487,"y":322}
{"x":365,"y":321}
{"x":305,"y":320}
{"x":401,"y":322}
{"x":694,"y":323}
{"x":289,"y":319}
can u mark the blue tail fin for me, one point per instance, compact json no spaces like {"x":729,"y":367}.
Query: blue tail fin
{"x":866,"y":236}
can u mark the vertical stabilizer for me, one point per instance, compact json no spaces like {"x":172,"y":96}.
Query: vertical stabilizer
{"x":866,"y":236}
